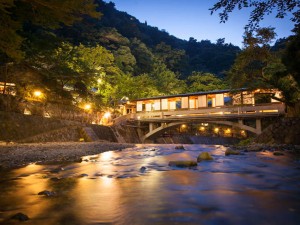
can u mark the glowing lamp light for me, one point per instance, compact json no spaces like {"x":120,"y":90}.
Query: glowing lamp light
{"x":183,"y":126}
{"x":87,"y":106}
{"x":107,"y":115}
{"x":37,"y":93}
{"x":202,"y":128}
{"x":216,"y":130}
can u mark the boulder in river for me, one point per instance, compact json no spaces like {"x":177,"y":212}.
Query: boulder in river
{"x":47,"y":193}
{"x":278,"y":153}
{"x":183,"y":163}
{"x":230,"y":151}
{"x":142,"y":169}
{"x":20,"y":216}
{"x":180,"y":147}
{"x":204,"y":156}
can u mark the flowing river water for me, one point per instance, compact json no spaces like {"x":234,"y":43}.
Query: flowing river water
{"x":136,"y":186}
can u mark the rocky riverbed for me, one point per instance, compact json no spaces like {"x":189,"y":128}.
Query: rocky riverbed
{"x":14,"y":155}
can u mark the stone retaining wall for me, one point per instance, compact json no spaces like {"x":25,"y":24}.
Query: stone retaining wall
{"x":284,"y":131}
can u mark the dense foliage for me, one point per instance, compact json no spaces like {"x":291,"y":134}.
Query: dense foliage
{"x":259,"y":65}
{"x":87,"y":51}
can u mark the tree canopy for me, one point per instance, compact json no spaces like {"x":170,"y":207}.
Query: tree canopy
{"x":49,"y":14}
{"x":260,"y":8}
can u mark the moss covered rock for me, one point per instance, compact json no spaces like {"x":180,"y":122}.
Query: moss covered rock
{"x":230,"y":151}
{"x":183,"y":163}
{"x":204,"y":156}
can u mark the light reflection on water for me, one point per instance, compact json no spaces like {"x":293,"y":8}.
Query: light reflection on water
{"x":114,"y":188}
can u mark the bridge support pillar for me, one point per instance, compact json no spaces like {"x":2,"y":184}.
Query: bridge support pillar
{"x":241,"y":122}
{"x":151,"y":127}
{"x":258,"y":126}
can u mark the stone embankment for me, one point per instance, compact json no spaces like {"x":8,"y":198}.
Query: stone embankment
{"x":284,"y":131}
{"x":21,"y":128}
{"x":16,"y":155}
{"x":258,"y":147}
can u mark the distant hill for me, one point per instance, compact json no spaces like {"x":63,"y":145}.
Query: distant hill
{"x":136,"y":46}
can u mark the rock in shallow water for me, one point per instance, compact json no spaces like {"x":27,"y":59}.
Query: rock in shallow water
{"x":277,"y":153}
{"x":231,"y":152}
{"x":142,"y":169}
{"x":183,"y":163}
{"x":204,"y":156}
{"x":47,"y":193}
{"x":20,"y":216}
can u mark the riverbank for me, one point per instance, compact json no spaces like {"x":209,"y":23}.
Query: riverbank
{"x":13,"y":155}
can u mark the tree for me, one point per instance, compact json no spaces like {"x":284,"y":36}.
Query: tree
{"x":124,"y":59}
{"x":258,"y":67}
{"x":200,"y":81}
{"x":44,"y":13}
{"x":248,"y":68}
{"x":144,"y":57}
{"x":260,"y":8}
{"x":166,"y":81}
{"x":175,"y":59}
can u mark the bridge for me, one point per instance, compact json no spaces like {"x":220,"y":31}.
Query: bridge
{"x":234,"y":115}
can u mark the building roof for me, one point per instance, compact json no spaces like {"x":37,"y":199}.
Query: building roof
{"x":191,"y":94}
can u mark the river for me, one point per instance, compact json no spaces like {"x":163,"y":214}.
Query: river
{"x":136,"y":186}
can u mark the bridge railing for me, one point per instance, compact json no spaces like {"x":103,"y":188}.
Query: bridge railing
{"x":272,"y":109}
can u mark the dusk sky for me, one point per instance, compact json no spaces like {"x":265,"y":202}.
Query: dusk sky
{"x":192,"y":18}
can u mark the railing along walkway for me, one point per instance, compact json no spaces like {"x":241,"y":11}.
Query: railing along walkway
{"x":225,"y":112}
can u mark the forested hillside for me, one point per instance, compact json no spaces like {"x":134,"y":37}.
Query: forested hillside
{"x":125,"y":35}
{"x":88,"y":51}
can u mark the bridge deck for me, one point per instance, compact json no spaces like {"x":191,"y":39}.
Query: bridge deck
{"x":220,"y":113}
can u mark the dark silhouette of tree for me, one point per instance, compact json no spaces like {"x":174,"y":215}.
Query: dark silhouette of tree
{"x":260,"y":8}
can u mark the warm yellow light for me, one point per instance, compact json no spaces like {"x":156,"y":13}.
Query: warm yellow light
{"x":37,"y":93}
{"x":202,"y":128}
{"x":99,"y":81}
{"x":183,"y":126}
{"x":216,"y":130}
{"x":87,"y":106}
{"x":228,"y":131}
{"x":107,"y":115}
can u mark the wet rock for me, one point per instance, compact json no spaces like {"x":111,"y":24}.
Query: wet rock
{"x":98,"y":174}
{"x":20,"y":216}
{"x":277,"y":153}
{"x":183,"y":163}
{"x":47,"y":193}
{"x":180,"y":147}
{"x":143,"y":169}
{"x":57,"y":170}
{"x":230,"y":151}
{"x":255,"y":148}
{"x":83,"y":175}
{"x":204,"y":156}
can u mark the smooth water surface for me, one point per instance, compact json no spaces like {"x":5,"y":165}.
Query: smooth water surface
{"x":136,"y":186}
